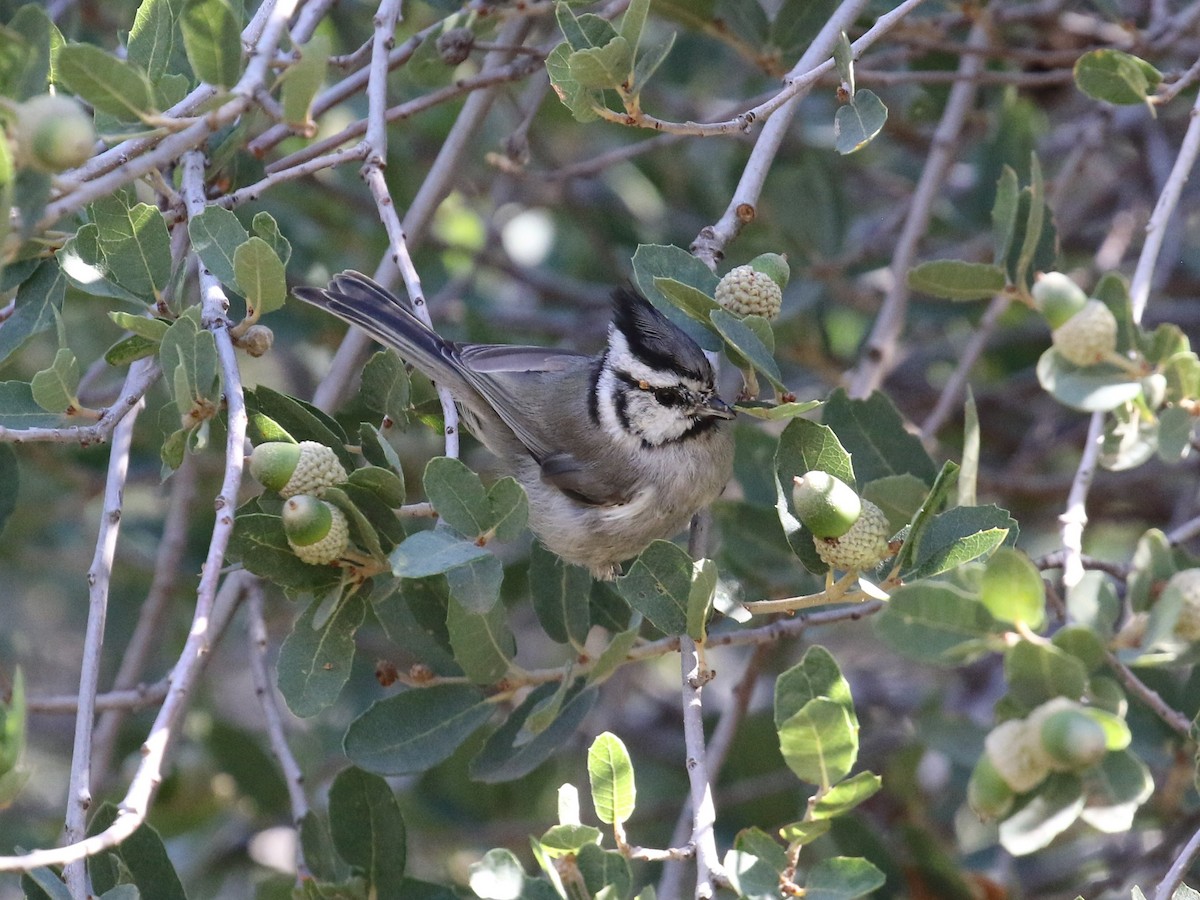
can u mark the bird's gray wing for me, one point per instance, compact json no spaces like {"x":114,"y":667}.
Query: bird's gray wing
{"x":508,"y":378}
{"x":581,"y":482}
{"x":511,"y":379}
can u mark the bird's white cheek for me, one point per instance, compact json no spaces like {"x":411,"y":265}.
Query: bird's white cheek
{"x":654,"y":423}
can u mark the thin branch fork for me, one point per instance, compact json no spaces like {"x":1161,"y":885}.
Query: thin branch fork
{"x":205,"y":625}
{"x":142,"y":375}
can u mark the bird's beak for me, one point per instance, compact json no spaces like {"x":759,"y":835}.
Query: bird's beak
{"x":715,"y":407}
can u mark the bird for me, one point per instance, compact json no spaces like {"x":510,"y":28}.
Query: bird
{"x":614,"y":450}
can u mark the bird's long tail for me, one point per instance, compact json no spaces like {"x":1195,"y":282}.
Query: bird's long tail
{"x":355,"y":298}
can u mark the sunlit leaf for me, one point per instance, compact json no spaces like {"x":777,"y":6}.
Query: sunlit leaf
{"x":1012,"y":588}
{"x":260,"y":276}
{"x":858,"y":122}
{"x":819,"y":743}
{"x":1055,"y":806}
{"x":1116,"y":76}
{"x":610,"y":773}
{"x":842,"y":878}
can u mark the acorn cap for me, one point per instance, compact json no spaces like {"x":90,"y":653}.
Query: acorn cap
{"x":745,"y":291}
{"x":273,"y":462}
{"x":1088,"y":336}
{"x":826,"y":504}
{"x":317,"y":532}
{"x":863,"y":547}
{"x":1015,"y":750}
{"x":1057,"y":297}
{"x":306,"y":519}
{"x":774,"y":266}
{"x":1187,"y":583}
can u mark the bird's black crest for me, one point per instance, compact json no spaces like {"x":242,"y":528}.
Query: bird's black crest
{"x":655,"y":340}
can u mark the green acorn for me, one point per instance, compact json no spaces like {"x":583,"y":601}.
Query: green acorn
{"x":1072,"y":739}
{"x":304,"y":468}
{"x":862,"y":547}
{"x":1057,"y":297}
{"x":988,"y":794}
{"x":53,"y":133}
{"x":317,"y":532}
{"x":826,"y":504}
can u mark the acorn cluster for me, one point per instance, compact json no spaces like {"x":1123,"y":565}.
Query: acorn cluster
{"x":317,"y":531}
{"x":1083,"y":331}
{"x":1058,"y":736}
{"x":849,"y":533}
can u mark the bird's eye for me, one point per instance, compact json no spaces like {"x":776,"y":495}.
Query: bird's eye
{"x":644,"y":385}
{"x":669,"y":396}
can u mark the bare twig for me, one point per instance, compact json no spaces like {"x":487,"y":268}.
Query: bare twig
{"x":1175,"y":720}
{"x":671,"y":882}
{"x":252,"y":192}
{"x":797,"y":83}
{"x":273,"y":719}
{"x":1057,"y":559}
{"x":147,"y":632}
{"x":207,"y":623}
{"x":347,"y":87}
{"x":487,"y":78}
{"x":1184,"y":532}
{"x":1164,"y":209}
{"x":880,"y":351}
{"x":129,"y":699}
{"x":434,"y":188}
{"x":273,"y":16}
{"x":205,"y":626}
{"x":712,"y":240}
{"x":695,"y":674}
{"x":79,"y":791}
{"x":1174,"y":877}
{"x":140,"y":379}
{"x":1074,"y":518}
{"x":372,"y":173}
{"x":171,"y":547}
